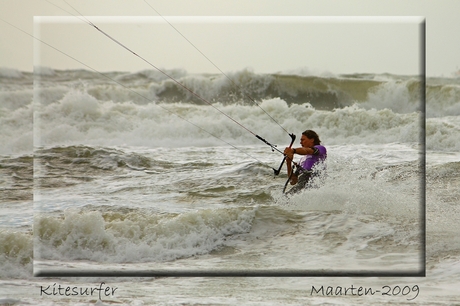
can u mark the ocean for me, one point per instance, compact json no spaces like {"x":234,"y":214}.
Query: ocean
{"x":129,"y":182}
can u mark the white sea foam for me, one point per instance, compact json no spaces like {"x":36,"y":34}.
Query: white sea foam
{"x":78,"y":117}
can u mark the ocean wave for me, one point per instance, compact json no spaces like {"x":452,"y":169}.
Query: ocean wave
{"x":137,"y":236}
{"x":248,"y":87}
{"x":401,"y":94}
{"x":443,"y":173}
{"x":150,"y":75}
{"x":85,"y":163}
{"x":79,"y":106}
{"x":10,"y":73}
{"x":81,"y":116}
{"x":44,"y":71}
{"x":16,"y":254}
{"x":442,"y":134}
{"x":323,"y":92}
{"x":443,"y":100}
{"x":17,"y":178}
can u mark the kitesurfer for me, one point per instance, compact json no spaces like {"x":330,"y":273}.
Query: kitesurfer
{"x":311,"y":165}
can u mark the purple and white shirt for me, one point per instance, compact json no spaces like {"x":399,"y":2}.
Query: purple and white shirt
{"x":307,"y":162}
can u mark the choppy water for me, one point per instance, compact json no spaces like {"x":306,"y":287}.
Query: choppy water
{"x":139,"y":176}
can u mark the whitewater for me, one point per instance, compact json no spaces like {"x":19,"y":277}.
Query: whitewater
{"x":105,"y":175}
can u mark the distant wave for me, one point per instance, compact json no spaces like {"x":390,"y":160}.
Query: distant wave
{"x":10,"y":73}
{"x":401,"y":94}
{"x":75,"y":107}
{"x":44,"y":71}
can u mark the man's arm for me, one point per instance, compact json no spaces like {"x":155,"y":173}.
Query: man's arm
{"x":301,"y":151}
{"x":289,"y":158}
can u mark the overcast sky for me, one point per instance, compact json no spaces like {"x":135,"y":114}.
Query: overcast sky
{"x":266,"y":36}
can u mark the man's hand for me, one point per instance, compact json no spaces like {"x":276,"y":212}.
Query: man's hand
{"x":289,"y":152}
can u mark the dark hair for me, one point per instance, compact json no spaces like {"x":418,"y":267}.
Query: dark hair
{"x":312,"y":135}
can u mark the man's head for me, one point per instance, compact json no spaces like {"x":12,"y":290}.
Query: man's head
{"x":309,"y":138}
